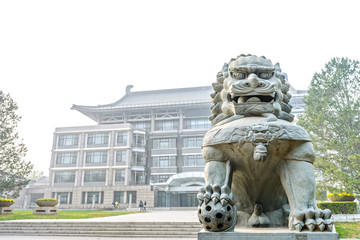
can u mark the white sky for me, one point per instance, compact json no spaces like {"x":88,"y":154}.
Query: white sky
{"x":57,"y":53}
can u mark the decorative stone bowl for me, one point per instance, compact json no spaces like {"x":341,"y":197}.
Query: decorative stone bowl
{"x":6,"y":204}
{"x":46,"y":203}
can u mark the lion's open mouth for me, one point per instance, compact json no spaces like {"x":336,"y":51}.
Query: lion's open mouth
{"x":251,"y":99}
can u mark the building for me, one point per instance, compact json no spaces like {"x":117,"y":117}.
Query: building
{"x":146,"y":146}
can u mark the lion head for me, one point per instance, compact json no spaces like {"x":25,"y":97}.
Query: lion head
{"x":250,"y":86}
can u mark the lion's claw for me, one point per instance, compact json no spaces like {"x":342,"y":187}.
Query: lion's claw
{"x":216,"y":208}
{"x":318,"y":220}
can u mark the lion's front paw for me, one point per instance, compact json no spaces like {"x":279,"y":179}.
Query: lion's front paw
{"x":312,"y":220}
{"x":216,"y":211}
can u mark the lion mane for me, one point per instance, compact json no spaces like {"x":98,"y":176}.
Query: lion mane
{"x":217,"y":108}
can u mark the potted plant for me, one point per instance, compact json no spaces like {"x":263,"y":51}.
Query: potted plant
{"x":341,"y":197}
{"x":4,"y":202}
{"x":46,"y":202}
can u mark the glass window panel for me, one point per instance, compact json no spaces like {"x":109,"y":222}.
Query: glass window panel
{"x":64,"y":177}
{"x":193,"y":161}
{"x":68,"y":140}
{"x":119,"y":196}
{"x":120,"y":175}
{"x":193,"y":142}
{"x":164,"y":161}
{"x":122,"y":138}
{"x":95,"y":176}
{"x":197,"y":123}
{"x":66,"y":158}
{"x":98,"y":138}
{"x":167,"y":125}
{"x":164,"y":143}
{"x":120,"y":156}
{"x":96,"y":157}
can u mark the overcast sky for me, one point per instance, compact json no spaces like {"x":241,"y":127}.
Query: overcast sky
{"x":57,"y":53}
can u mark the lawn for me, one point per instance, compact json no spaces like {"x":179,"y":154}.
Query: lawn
{"x":63,"y":214}
{"x":348,"y":229}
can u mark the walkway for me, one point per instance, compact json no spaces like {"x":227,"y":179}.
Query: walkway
{"x":158,"y":216}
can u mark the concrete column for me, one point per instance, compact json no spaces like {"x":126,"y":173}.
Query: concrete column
{"x":130,"y":200}
{"x":25,"y":201}
{"x":152,"y":125}
{"x":181,"y":120}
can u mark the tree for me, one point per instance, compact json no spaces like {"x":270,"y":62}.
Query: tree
{"x":332,"y":118}
{"x":35,"y":175}
{"x":13,"y":168}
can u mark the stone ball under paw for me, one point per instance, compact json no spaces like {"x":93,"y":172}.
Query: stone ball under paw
{"x":215,"y":217}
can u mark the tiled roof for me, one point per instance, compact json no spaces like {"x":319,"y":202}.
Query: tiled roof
{"x":164,"y":97}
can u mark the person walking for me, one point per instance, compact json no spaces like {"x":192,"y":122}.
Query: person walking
{"x":141,"y":206}
{"x":145,"y":206}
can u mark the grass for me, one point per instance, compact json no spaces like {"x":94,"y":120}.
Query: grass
{"x":348,"y":229}
{"x":63,"y":214}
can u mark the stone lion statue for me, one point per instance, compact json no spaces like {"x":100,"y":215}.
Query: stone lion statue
{"x":258,"y":165}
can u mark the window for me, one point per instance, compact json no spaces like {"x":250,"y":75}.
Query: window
{"x":139,"y":140}
{"x":161,"y":199}
{"x":193,"y":161}
{"x":87,"y":197}
{"x":133,"y":197}
{"x":63,"y":197}
{"x":119,"y":196}
{"x":66,"y":158}
{"x":96,"y":157}
{"x":164,"y":143}
{"x":164,"y":161}
{"x":98,"y":138}
{"x":122,"y":138}
{"x":64,"y":177}
{"x":139,"y":159}
{"x":120,"y":156}
{"x":142,"y":125}
{"x":193,"y":142}
{"x":95,"y":176}
{"x":68,"y":140}
{"x":197,"y":123}
{"x":167,"y":125}
{"x":160,"y":178}
{"x":120,"y":175}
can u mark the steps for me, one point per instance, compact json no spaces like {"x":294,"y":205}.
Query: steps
{"x":103,"y":229}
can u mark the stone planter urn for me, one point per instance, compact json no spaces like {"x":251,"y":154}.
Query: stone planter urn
{"x":45,"y":203}
{"x":6,"y":204}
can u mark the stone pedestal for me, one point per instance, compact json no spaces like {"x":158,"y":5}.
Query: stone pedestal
{"x":6,"y":210}
{"x":267,"y":234}
{"x":46,"y":210}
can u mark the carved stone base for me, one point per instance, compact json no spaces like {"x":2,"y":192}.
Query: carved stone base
{"x":6,"y":210}
{"x":267,"y":234}
{"x":46,"y":210}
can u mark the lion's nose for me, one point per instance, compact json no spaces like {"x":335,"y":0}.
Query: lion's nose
{"x":253,"y":81}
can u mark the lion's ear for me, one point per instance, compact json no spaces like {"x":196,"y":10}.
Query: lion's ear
{"x":277,"y":65}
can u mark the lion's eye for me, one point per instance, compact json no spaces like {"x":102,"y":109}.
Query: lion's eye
{"x":238,"y":75}
{"x":265,"y":75}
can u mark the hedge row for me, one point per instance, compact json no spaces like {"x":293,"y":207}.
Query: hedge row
{"x":339,"y":207}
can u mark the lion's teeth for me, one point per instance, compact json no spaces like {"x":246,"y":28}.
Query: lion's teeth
{"x":254,"y":99}
{"x":241,"y":100}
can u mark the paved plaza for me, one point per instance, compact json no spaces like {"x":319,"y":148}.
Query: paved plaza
{"x":154,"y":216}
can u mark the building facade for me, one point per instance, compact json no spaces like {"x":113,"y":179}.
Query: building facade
{"x":146,"y":146}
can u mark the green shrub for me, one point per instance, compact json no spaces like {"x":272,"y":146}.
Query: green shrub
{"x":46,"y":199}
{"x":339,"y":207}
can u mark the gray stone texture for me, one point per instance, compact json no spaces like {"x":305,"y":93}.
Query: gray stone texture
{"x":256,"y":159}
